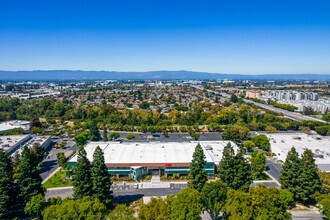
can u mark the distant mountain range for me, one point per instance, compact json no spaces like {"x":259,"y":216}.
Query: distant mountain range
{"x":47,"y":75}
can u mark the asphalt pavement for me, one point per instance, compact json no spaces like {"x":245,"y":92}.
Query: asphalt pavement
{"x":68,"y":191}
{"x":273,"y":168}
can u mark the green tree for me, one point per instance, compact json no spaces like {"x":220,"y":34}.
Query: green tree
{"x":81,"y":138}
{"x":186,"y":205}
{"x":262,"y":142}
{"x":226,"y":167}
{"x":105,"y":134}
{"x":7,"y":186}
{"x":290,"y":173}
{"x":259,"y":203}
{"x":309,"y":180}
{"x":242,"y":174}
{"x":249,"y":145}
{"x":121,"y":212}
{"x":94,"y":134}
{"x":114,"y":135}
{"x":233,"y":98}
{"x":236,"y":133}
{"x":324,"y":204}
{"x":197,"y":173}
{"x":84,"y":208}
{"x":62,"y":161}
{"x":156,"y":208}
{"x":213,"y":198}
{"x":130,"y":136}
{"x":81,"y":179}
{"x":100,"y":178}
{"x":28,"y":179}
{"x":325,"y":180}
{"x":38,"y":152}
{"x":258,"y":161}
{"x":35,"y":205}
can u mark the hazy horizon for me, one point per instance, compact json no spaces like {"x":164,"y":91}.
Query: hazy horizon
{"x":233,"y":37}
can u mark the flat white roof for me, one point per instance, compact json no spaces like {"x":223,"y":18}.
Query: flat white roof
{"x":153,"y":152}
{"x":10,"y":140}
{"x":9,"y":125}
{"x":281,"y":144}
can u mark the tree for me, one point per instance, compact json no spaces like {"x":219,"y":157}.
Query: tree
{"x":28,"y":179}
{"x":242,"y":173}
{"x":197,"y":173}
{"x":81,"y":179}
{"x":38,"y":152}
{"x":156,"y":208}
{"x":100,"y":178}
{"x":165,"y":133}
{"x":324,"y":204}
{"x":271,"y":129}
{"x":144,"y":105}
{"x":236,"y":133}
{"x":62,"y":161}
{"x":105,"y":135}
{"x":249,"y":145}
{"x":308,"y":110}
{"x":114,"y":135}
{"x":325,"y":180}
{"x":84,"y":208}
{"x":35,"y":205}
{"x":7,"y":186}
{"x":259,"y":203}
{"x":233,"y":98}
{"x":94,"y":134}
{"x":213,"y":198}
{"x":226,"y":167}
{"x":262,"y":142}
{"x":122,"y":212}
{"x":258,"y":161}
{"x":234,"y":169}
{"x":130,"y":136}
{"x":81,"y":138}
{"x":186,"y":205}
{"x":309,"y":180}
{"x":290,"y":173}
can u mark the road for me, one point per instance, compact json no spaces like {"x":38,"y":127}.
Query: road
{"x":287,"y":114}
{"x":50,"y":161}
{"x":273,"y":168}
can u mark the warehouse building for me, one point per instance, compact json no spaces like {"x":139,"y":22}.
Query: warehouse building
{"x":136,"y":160}
{"x":281,"y":144}
{"x":13,"y":143}
{"x":15,"y":124}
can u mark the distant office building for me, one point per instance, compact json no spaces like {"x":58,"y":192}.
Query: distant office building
{"x":15,"y":124}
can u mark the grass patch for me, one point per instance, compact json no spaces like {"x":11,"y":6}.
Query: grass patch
{"x":57,"y":180}
{"x":263,"y":176}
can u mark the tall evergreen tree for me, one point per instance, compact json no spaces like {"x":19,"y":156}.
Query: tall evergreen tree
{"x":290,"y":172}
{"x":100,"y":178}
{"x":94,"y":133}
{"x":28,"y":179}
{"x":7,"y":186}
{"x":81,"y":179}
{"x":242,"y":176}
{"x":197,"y":173}
{"x":226,"y":167}
{"x":105,"y":135}
{"x":234,"y":169}
{"x":309,"y":179}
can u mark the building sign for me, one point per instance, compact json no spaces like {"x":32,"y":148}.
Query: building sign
{"x":168,"y":165}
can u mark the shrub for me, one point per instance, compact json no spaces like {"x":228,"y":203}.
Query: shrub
{"x":130,"y":136}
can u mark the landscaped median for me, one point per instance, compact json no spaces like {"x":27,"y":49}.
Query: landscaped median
{"x":57,"y":180}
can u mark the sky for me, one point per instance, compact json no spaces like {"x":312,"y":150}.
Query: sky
{"x":232,"y":36}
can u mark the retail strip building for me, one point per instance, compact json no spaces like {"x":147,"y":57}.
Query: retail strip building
{"x":138,"y":159}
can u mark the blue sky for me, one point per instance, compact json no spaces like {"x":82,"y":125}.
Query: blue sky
{"x":244,"y":37}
